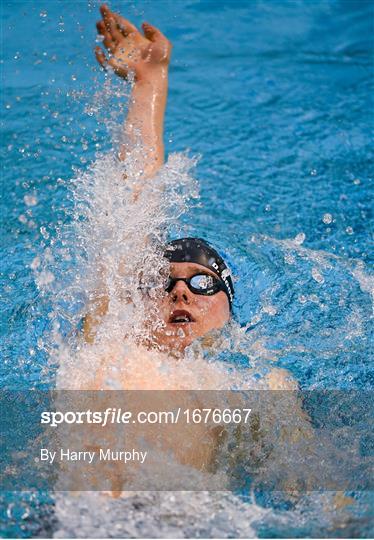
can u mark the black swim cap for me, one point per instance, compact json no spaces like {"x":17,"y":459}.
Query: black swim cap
{"x":197,"y":250}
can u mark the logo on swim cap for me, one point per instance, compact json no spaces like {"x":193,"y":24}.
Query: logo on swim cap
{"x":226,"y":273}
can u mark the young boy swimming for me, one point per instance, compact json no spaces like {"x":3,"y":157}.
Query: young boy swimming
{"x":197,"y":295}
{"x":198,"y":291}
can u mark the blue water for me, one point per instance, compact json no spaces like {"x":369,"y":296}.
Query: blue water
{"x":277,"y":98}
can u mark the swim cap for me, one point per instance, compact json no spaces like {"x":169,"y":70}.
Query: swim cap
{"x":197,"y":250}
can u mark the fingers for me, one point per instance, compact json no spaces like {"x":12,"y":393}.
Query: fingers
{"x":114,"y":30}
{"x":119,"y":67}
{"x":101,"y":27}
{"x":100,"y":57}
{"x":105,"y":11}
{"x":108,"y":28}
{"x":108,"y":41}
{"x":121,"y":26}
{"x":125,"y":26}
{"x":152,"y":33}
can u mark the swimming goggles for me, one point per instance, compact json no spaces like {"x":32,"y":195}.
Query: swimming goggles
{"x":204,"y":284}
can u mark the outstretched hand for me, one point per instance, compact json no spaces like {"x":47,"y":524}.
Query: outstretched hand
{"x":130,"y":50}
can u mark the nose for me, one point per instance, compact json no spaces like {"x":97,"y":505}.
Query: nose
{"x":180,"y":292}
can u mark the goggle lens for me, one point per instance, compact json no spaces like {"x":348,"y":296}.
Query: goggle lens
{"x":198,"y":284}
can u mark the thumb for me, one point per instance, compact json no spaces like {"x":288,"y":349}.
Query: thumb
{"x":100,"y":57}
{"x":151,"y":32}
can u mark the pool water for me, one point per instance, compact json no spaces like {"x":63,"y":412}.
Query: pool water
{"x":275,"y":98}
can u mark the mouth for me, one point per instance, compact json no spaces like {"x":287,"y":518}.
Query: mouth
{"x":181,"y":316}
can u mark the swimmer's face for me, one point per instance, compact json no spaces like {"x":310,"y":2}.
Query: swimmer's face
{"x":204,"y":313}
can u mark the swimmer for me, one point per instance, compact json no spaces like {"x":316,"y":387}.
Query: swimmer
{"x":200,"y":290}
{"x":198,"y":293}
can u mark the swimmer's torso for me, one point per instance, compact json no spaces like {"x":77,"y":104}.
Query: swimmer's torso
{"x":119,"y":367}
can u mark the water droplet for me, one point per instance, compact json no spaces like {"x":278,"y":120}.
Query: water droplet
{"x":317,"y":276}
{"x":22,"y":218}
{"x":180,"y":333}
{"x":271,"y":310}
{"x":43,"y":14}
{"x":18,"y":510}
{"x":299,"y":238}
{"x":357,"y":181}
{"x":45,"y":278}
{"x":35,"y":263}
{"x":44,"y":232}
{"x":327,"y":218}
{"x":73,"y":77}
{"x":313,"y":172}
{"x":30,"y":200}
{"x":289,"y":258}
{"x":349,"y":230}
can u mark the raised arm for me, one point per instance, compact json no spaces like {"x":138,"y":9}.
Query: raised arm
{"x":147,"y":57}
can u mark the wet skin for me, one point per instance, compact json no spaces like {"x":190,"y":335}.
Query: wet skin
{"x":205,"y":312}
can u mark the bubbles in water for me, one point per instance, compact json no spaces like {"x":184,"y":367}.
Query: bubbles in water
{"x":299,"y":238}
{"x":317,"y":276}
{"x":157,"y":515}
{"x":180,"y":333}
{"x":349,"y":230}
{"x":44,"y":278}
{"x":289,"y":258}
{"x":18,"y":510}
{"x":327,"y":218}
{"x":30,"y":200}
{"x":271,"y":310}
{"x":44,"y":232}
{"x":35,"y":263}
